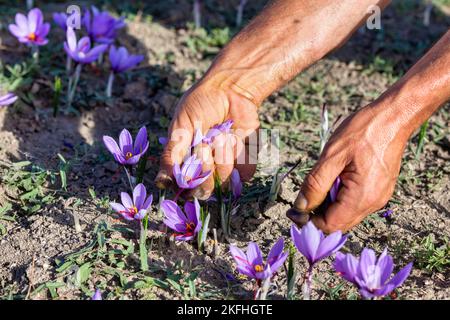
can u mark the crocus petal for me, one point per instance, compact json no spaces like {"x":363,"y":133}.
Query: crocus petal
{"x":34,"y":19}
{"x":44,"y":30}
{"x":401,"y":276}
{"x":140,"y":215}
{"x":276,"y":250}
{"x":148,"y":202}
{"x":125,"y":141}
{"x":111,"y":145}
{"x":17,"y":31}
{"x":97,"y":295}
{"x":133,"y":160}
{"x":71,"y":39}
{"x":141,"y":141}
{"x":329,"y":245}
{"x":8,"y":99}
{"x":386,"y":265}
{"x":254,"y":255}
{"x":311,"y":237}
{"x":198,"y":137}
{"x":274,"y":266}
{"x":239,"y":256}
{"x":236,"y":184}
{"x":126,"y":200}
{"x":117,"y":207}
{"x":22,"y":23}
{"x":199,"y":180}
{"x":139,"y":195}
{"x":298,"y":242}
{"x":366,"y":261}
{"x":172,"y":211}
{"x":163,"y":140}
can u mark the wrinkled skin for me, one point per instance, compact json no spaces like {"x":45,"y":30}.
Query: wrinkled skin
{"x":365,"y":151}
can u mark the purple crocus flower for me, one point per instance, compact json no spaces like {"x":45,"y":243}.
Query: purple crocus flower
{"x":60,"y":18}
{"x":186,"y":224}
{"x":190,"y":174}
{"x":7,"y":99}
{"x":97,"y":295}
{"x":387,"y":214}
{"x":101,"y":26}
{"x":136,"y":208}
{"x":251,"y":263}
{"x":30,"y":29}
{"x":163,"y":141}
{"x":236,"y":183}
{"x":369,"y":274}
{"x":81,"y":51}
{"x":126,"y":153}
{"x":121,"y":60}
{"x":312,"y":243}
{"x":212,"y":133}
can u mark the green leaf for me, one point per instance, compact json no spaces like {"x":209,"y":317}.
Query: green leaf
{"x":83,"y":274}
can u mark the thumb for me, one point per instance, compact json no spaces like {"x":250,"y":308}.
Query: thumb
{"x":178,"y":144}
{"x":318,"y":182}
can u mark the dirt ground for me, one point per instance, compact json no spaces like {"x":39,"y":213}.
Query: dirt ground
{"x":46,"y":250}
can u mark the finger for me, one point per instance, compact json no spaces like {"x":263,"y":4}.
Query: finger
{"x":180,"y":139}
{"x":343,"y":214}
{"x":319,"y":181}
{"x":204,"y":190}
{"x":246,"y":152}
{"x":224,"y":150}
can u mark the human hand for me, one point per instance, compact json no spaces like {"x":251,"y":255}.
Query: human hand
{"x":365,"y":152}
{"x":204,"y":106}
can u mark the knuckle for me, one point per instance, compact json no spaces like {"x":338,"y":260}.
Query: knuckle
{"x":313,"y":183}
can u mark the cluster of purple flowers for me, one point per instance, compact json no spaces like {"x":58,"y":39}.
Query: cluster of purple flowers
{"x":370,"y":275}
{"x":101,"y":32}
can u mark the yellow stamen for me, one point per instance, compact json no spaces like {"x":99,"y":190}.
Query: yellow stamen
{"x":128,"y":155}
{"x":32,"y":36}
{"x":190,"y":226}
{"x":259,"y":268}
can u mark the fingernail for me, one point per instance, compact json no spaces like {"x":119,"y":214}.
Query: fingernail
{"x":301,"y":203}
{"x":299,"y":218}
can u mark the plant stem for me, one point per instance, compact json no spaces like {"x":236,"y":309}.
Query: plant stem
{"x":240,"y":12}
{"x":73,"y":83}
{"x":110,"y":85}
{"x":142,"y":246}
{"x":68,"y":64}
{"x":162,"y":196}
{"x":264,"y":289}
{"x":129,"y":178}
{"x":35,"y":53}
{"x":307,"y":284}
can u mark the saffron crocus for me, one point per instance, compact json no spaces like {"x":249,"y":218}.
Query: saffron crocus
{"x":126,"y":153}
{"x":387,"y":214}
{"x":212,"y":133}
{"x":190,"y":174}
{"x":7,"y":99}
{"x":60,"y":18}
{"x":372,"y":276}
{"x":312,"y":243}
{"x":251,"y":263}
{"x":236,"y":183}
{"x":101,"y":25}
{"x":81,"y":50}
{"x":31,"y":29}
{"x":185,"y":224}
{"x":133,"y":208}
{"x":314,"y":246}
{"x":120,"y":61}
{"x":97,"y":295}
